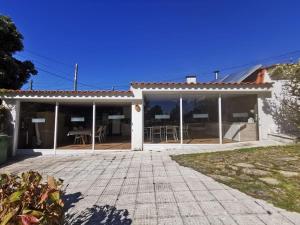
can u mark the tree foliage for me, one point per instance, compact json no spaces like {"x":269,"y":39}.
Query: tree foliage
{"x":289,"y":107}
{"x":13,"y":72}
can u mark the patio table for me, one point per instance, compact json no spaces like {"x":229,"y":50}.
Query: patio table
{"x":84,"y":133}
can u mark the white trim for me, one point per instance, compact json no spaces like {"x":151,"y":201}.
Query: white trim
{"x":55,"y":126}
{"x":220,"y":119}
{"x":181,"y":121}
{"x":93,"y":128}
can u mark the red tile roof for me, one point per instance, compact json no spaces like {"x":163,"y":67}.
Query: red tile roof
{"x":197,"y":84}
{"x":95,"y":92}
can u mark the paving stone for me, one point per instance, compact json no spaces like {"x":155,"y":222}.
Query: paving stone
{"x":162,"y":197}
{"x":143,"y":198}
{"x":212,"y":208}
{"x":275,"y":219}
{"x":145,"y":211}
{"x":107,"y":200}
{"x":253,"y":206}
{"x":196,"y":220}
{"x":167,"y":210}
{"x":223,"y":195}
{"x":190,"y":209}
{"x":131,"y":181}
{"x":163,"y":187}
{"x":95,"y":191}
{"x":127,"y":199}
{"x":247,"y":220}
{"x":235,"y":207}
{"x":221,"y":220}
{"x":129,"y":189}
{"x":145,"y":221}
{"x":145,"y":188}
{"x":179,"y":187}
{"x":201,"y":196}
{"x":170,"y":221}
{"x":116,"y":182}
{"x":184,"y":196}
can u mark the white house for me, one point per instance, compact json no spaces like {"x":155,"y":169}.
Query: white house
{"x":148,"y":116}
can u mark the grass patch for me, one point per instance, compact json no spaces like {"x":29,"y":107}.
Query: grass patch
{"x":246,"y":169}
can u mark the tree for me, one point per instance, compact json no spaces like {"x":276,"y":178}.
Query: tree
{"x":288,"y":109}
{"x":13,"y":72}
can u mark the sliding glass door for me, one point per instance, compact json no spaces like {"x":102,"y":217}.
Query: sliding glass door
{"x":162,"y":119}
{"x":36,"y":125}
{"x":200,"y":119}
{"x":74,"y":126}
{"x":239,"y":118}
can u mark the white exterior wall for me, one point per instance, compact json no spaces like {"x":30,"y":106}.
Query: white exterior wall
{"x":137,"y":127}
{"x":14,"y":107}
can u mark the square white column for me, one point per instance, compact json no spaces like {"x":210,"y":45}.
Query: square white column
{"x":94,"y":126}
{"x":55,"y":126}
{"x":181,"y":121}
{"x":220,"y":119}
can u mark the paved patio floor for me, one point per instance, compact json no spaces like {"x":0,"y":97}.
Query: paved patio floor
{"x":142,"y":188}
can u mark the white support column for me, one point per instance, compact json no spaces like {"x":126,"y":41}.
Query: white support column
{"x":94,"y":126}
{"x":16,"y":118}
{"x":55,"y":126}
{"x":181,"y":121}
{"x":220,"y":119}
{"x":137,"y":129}
{"x":260,"y":115}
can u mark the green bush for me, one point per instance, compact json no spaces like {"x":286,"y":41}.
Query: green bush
{"x":26,"y":200}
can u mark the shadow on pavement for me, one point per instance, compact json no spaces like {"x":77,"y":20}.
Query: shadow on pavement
{"x":108,"y":215}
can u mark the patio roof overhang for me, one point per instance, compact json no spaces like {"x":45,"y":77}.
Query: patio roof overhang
{"x":70,"y":96}
{"x":216,"y":88}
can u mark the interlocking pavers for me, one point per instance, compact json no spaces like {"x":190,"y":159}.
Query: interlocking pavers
{"x":124,"y":199}
{"x":184,"y":196}
{"x":212,"y":208}
{"x":222,"y":220}
{"x":198,"y":220}
{"x":275,"y":219}
{"x":247,"y":220}
{"x":162,"y":197}
{"x":143,"y":198}
{"x":190,"y":209}
{"x":145,"y":221}
{"x":145,"y":211}
{"x":167,"y":210}
{"x":179,"y":187}
{"x":154,"y":189}
{"x":235,"y":207}
{"x":202,"y":196}
{"x":170,"y":221}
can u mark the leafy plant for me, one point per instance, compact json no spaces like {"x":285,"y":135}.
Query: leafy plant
{"x":26,"y":200}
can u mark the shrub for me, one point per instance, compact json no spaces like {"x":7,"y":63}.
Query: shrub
{"x":26,"y":200}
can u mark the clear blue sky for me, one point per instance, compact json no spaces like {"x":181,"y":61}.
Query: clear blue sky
{"x":116,"y":42}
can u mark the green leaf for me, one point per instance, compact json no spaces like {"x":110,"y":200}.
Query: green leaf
{"x":35,"y":213}
{"x":16,"y":196}
{"x":7,"y":217}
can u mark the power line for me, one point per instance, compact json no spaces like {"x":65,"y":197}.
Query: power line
{"x":243,"y":65}
{"x":48,"y":58}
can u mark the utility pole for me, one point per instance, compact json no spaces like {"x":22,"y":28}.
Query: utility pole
{"x":75,"y":77}
{"x":31,"y":85}
{"x":216,"y":74}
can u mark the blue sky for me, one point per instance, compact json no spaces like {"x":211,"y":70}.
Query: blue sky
{"x":116,"y":42}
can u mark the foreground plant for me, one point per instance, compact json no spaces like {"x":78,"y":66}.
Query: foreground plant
{"x":26,"y":200}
